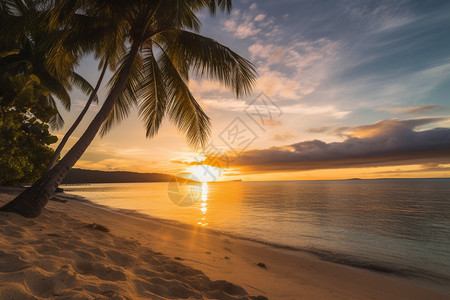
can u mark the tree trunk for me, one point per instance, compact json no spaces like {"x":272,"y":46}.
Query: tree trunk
{"x":77,"y":121}
{"x":32,"y":201}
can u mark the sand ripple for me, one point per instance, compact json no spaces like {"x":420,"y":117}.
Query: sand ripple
{"x":58,"y":257}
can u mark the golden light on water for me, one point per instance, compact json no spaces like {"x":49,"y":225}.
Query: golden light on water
{"x":204,"y":204}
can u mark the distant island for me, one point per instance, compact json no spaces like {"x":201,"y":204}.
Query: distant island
{"x":77,"y":176}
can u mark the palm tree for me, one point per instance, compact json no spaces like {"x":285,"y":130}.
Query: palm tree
{"x":153,"y":75}
{"x":108,"y":46}
{"x":77,"y":121}
{"x":37,"y":45}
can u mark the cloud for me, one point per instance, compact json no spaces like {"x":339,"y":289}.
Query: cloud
{"x":390,"y":127}
{"x":385,"y":143}
{"x":284,"y":136}
{"x":319,"y":129}
{"x":208,"y":87}
{"x":272,"y":123}
{"x":229,"y":104}
{"x":292,"y":70}
{"x":289,"y":67}
{"x":260,"y":17}
{"x":414,"y":110}
{"x":298,"y":109}
{"x":246,"y":24}
{"x":385,"y":15}
{"x":246,"y":30}
{"x":431,"y":167}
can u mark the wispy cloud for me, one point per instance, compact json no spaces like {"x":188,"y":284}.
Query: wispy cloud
{"x":292,"y":71}
{"x":381,"y":15}
{"x":298,"y":109}
{"x":415,"y":110}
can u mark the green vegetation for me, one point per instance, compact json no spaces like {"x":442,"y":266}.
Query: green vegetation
{"x":25,"y":111}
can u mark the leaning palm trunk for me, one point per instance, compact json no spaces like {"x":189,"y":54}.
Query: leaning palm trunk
{"x":31,"y":202}
{"x":77,"y":121}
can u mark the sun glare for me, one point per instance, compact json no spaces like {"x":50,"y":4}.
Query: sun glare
{"x":205,"y":173}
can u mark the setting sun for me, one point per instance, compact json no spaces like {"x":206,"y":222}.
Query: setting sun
{"x":205,"y":173}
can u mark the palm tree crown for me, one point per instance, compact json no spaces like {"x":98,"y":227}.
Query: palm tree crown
{"x":170,"y":50}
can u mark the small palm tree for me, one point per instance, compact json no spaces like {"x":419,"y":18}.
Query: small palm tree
{"x":153,"y":75}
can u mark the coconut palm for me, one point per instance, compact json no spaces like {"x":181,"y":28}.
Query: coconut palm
{"x":108,"y":46}
{"x":77,"y":121}
{"x":22,"y":29}
{"x":164,"y":49}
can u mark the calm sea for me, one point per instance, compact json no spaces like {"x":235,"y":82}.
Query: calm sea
{"x":399,"y":226}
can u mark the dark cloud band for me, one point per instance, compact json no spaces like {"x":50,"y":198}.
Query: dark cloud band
{"x":388,"y":142}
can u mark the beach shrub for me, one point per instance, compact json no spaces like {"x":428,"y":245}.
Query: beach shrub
{"x":25,"y":151}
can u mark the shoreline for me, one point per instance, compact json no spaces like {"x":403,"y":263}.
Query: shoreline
{"x":289,"y":273}
{"x":421,"y":276}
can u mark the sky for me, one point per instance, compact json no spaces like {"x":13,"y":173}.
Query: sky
{"x":346,"y":89}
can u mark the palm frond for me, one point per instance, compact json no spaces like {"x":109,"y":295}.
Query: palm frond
{"x":153,"y":95}
{"x":56,"y":87}
{"x":83,"y":84}
{"x":56,"y":122}
{"x":127,"y":98}
{"x":224,"y":5}
{"x":180,"y":13}
{"x":183,"y":109}
{"x":208,"y":58}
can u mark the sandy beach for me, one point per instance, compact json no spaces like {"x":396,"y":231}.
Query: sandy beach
{"x":59,"y":256}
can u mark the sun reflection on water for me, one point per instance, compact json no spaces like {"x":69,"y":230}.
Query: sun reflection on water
{"x":203,"y":204}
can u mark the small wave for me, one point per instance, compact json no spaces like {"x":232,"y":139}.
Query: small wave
{"x":428,"y":278}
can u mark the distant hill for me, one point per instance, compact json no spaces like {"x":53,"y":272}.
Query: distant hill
{"x":92,"y":176}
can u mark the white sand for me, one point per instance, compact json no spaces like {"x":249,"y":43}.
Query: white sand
{"x":56,"y":256}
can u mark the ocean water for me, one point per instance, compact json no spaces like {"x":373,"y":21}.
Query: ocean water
{"x":399,"y":226}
